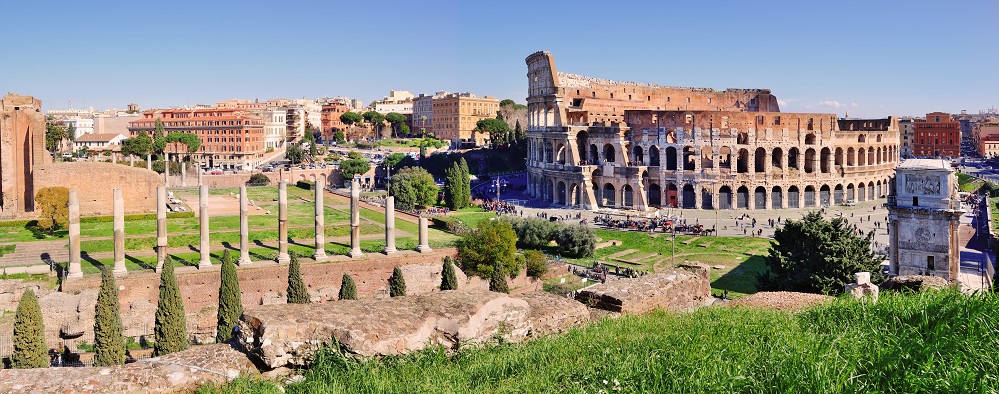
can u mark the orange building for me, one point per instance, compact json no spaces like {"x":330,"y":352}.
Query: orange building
{"x":938,"y":136}
{"x":331,"y":112}
{"x":230,"y":138}
{"x":455,"y":115}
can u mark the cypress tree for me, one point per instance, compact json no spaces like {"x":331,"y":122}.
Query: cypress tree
{"x":497,"y":282}
{"x":465,"y":199}
{"x":448,"y":279}
{"x":171,"y":322}
{"x":297,"y":293}
{"x":397,"y":284}
{"x":348,"y":290}
{"x":109,"y":340}
{"x":29,"y":334}
{"x":230,"y":304}
{"x":452,"y":186}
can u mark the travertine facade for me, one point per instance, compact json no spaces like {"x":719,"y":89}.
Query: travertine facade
{"x":598,"y":143}
{"x":22,"y":150}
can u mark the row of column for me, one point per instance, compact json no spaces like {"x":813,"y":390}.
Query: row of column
{"x":75,"y":270}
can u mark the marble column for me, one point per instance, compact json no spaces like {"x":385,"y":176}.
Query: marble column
{"x":355,"y":219}
{"x":119,"y":234}
{"x":149,"y":161}
{"x":424,"y":246}
{"x":390,"y":225}
{"x":320,"y":254}
{"x":161,"y":226}
{"x":131,"y":160}
{"x":200,"y":173}
{"x":206,"y":252}
{"x":183,"y":175}
{"x":283,"y":257}
{"x":244,"y":228}
{"x":75,"y":271}
{"x":166,"y":169}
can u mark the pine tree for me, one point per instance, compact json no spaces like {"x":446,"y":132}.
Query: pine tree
{"x":109,"y":340}
{"x":397,"y":284}
{"x":171,"y":321}
{"x":497,"y":282}
{"x":230,"y":304}
{"x":518,"y":132}
{"x":348,"y":290}
{"x":29,"y":334}
{"x":297,"y":293}
{"x":448,"y":279}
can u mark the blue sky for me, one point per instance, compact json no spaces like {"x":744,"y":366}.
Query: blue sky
{"x":870,"y":58}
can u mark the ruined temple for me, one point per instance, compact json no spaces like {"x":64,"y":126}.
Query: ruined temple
{"x":22,"y":150}
{"x":599,"y":143}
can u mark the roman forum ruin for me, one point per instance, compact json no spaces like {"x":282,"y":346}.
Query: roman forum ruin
{"x":595,"y":143}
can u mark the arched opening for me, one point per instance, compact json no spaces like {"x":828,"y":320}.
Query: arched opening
{"x":688,"y":196}
{"x":878,"y":186}
{"x":777,"y":158}
{"x":671,"y":195}
{"x":824,"y":195}
{"x":725,"y":197}
{"x":810,"y":139}
{"x":861,"y":138}
{"x":838,"y":195}
{"x":809,"y":161}
{"x":742,"y":197}
{"x":870,"y":157}
{"x":594,"y":156}
{"x":550,"y":191}
{"x":671,"y":137}
{"x":581,"y":147}
{"x":760,"y":159}
{"x":742,"y":163}
{"x":839,"y":157}
{"x":654,"y":156}
{"x":760,"y":198}
{"x":725,"y":158}
{"x":792,"y":197}
{"x":850,"y":157}
{"x":560,"y":154}
{"x":870,"y":191}
{"x":861,"y":157}
{"x":598,"y":195}
{"x":608,"y":195}
{"x":742,"y":138}
{"x":706,"y":199}
{"x":707,"y":161}
{"x":776,"y":198}
{"x":824,"y":162}
{"x":688,"y":158}
{"x":574,"y":194}
{"x":878,"y":156}
{"x":549,"y":152}
{"x":861,"y":192}
{"x":809,"y":196}
{"x":628,"y":196}
{"x":560,"y":193}
{"x":609,"y":153}
{"x":540,"y":155}
{"x":792,"y":158}
{"x":655,"y":195}
{"x":639,"y":156}
{"x":851,"y":193}
{"x":879,"y":138}
{"x":671,"y":158}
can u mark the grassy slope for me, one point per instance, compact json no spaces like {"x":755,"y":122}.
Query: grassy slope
{"x":938,"y":342}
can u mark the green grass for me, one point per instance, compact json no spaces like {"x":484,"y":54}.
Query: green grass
{"x":931,"y":342}
{"x":472,"y":219}
{"x":4,"y":249}
{"x":968,"y":183}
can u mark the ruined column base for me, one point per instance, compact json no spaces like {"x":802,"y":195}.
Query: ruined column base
{"x":390,"y":250}
{"x":354,"y":253}
{"x":243,"y":261}
{"x":424,"y":249}
{"x":320,"y":256}
{"x":283,"y":259}
{"x":74,"y":275}
{"x":120,"y":272}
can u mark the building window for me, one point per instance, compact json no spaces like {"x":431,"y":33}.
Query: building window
{"x":929,"y":263}
{"x":915,"y":201}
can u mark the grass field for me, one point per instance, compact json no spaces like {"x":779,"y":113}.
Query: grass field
{"x":932,"y":342}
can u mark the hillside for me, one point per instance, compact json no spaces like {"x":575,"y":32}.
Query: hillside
{"x":934,"y":342}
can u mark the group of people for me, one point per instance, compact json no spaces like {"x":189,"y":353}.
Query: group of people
{"x":499,"y":207}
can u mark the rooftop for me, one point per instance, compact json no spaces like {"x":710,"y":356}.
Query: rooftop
{"x":101,"y":137}
{"x":925,"y":164}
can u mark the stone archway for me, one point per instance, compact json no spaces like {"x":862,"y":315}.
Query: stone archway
{"x":655,"y":195}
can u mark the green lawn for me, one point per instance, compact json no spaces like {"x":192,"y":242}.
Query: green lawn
{"x":472,"y":219}
{"x":968,"y":183}
{"x":938,"y":342}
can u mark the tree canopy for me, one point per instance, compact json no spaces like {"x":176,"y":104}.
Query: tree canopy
{"x":457,"y":189}
{"x":140,"y":145}
{"x":492,"y":243}
{"x":413,"y":187}
{"x":396,"y":119}
{"x":54,"y":134}
{"x":295,"y":154}
{"x":496,"y":128}
{"x":351,"y":167}
{"x":53,"y":206}
{"x":190,"y":140}
{"x":816,"y":255}
{"x":374,"y":119}
{"x":351,"y":118}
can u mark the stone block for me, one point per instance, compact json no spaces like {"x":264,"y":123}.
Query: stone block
{"x":681,"y":289}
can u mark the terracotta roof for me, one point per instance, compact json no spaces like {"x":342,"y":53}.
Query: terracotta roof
{"x":102,"y":137}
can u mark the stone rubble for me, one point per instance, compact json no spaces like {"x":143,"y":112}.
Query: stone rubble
{"x":684,"y":288}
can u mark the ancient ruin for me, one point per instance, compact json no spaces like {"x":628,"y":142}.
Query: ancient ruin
{"x":22,"y":149}
{"x":595,"y":143}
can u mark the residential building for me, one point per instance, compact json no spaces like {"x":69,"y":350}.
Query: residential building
{"x":332,"y":108}
{"x":985,"y":137}
{"x":907,"y":130}
{"x":938,"y":136}
{"x":275,"y":127}
{"x":455,"y":115}
{"x":115,"y":122}
{"x":99,"y":142}
{"x":230,"y":138}
{"x":398,"y":101}
{"x":423,"y":112}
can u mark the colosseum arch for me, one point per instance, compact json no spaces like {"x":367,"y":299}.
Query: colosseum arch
{"x":725,"y":157}
{"x":838,"y":156}
{"x":742,"y":162}
{"x":550,"y":191}
{"x":609,"y":153}
{"x":776,"y":197}
{"x":581,"y":144}
{"x":861,"y":192}
{"x":540,"y":151}
{"x":851,"y":192}
{"x":760,"y":198}
{"x":725,"y":197}
{"x":688,"y":196}
{"x":825,"y":195}
{"x":809,"y":161}
{"x":777,"y":158}
{"x":760,"y":160}
{"x":574,"y":194}
{"x":671,"y":158}
{"x":654,"y":156}
{"x":628,"y":196}
{"x":809,"y":139}
{"x":742,"y":197}
{"x":688,"y":158}
{"x":851,"y":157}
{"x":707,"y":162}
{"x":608,"y":195}
{"x":560,"y":154}
{"x":549,"y":152}
{"x":792,"y":197}
{"x":560,"y":193}
{"x":878,"y":186}
{"x":878,"y":139}
{"x":671,"y":195}
{"x":792,"y":158}
{"x":655,"y":195}
{"x":706,"y":198}
{"x":824,"y":160}
{"x":809,"y":196}
{"x":639,"y":156}
{"x":870,"y":156}
{"x":861,"y":157}
{"x":594,"y":156}
{"x":838,"y":194}
{"x":871,"y":195}
{"x":861,"y":138}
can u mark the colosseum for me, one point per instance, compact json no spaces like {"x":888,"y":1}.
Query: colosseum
{"x":595,"y":143}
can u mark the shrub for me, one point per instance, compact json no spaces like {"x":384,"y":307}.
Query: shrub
{"x":230,"y":304}
{"x":497,"y":282}
{"x":303,"y":184}
{"x":449,"y":281}
{"x":297,"y":293}
{"x":492,"y":243}
{"x":537,"y":263}
{"x":109,"y":340}
{"x":348,"y":290}
{"x":576,"y":241}
{"x":171,"y":321}
{"x":397,"y":284}
{"x":413,"y":187}
{"x":450,"y":224}
{"x":29,"y":334}
{"x":258,"y":179}
{"x":53,"y":205}
{"x":534,"y":232}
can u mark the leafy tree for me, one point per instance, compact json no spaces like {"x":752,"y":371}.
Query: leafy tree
{"x":53,"y":206}
{"x":497,"y":281}
{"x":139,"y":145}
{"x":350,"y":119}
{"x":816,"y":255}
{"x":171,"y":322}
{"x":397,"y":283}
{"x":29,"y":334}
{"x":576,"y":240}
{"x":496,"y":129}
{"x":109,"y":338}
{"x":394,"y":159}
{"x":354,"y":155}
{"x":297,"y":293}
{"x":54,"y":134}
{"x":71,"y":132}
{"x":374,"y":119}
{"x":159,"y":137}
{"x":294,"y":153}
{"x":413,"y":187}
{"x":339,"y":137}
{"x":457,"y":191}
{"x":230,"y":303}
{"x":534,"y":232}
{"x":404,"y":130}
{"x":449,"y":281}
{"x":191,"y":141}
{"x":491,"y":242}
{"x":348,"y":290}
{"x":537,"y":263}
{"x":506,"y":102}
{"x":258,"y":179}
{"x":351,"y":167}
{"x":396,"y":120}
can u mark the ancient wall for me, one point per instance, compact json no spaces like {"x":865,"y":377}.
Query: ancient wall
{"x":22,"y":151}
{"x":332,"y":176}
{"x":683,"y":288}
{"x":94,"y":181}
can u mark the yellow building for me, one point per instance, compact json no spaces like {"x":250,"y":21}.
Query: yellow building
{"x":455,"y":115}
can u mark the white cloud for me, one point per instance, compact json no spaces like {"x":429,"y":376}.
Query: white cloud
{"x":831,"y":103}
{"x":781,"y":102}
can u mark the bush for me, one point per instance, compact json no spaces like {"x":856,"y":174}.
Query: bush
{"x":348,"y":290}
{"x":29,"y":334}
{"x":413,"y":187}
{"x":53,"y":205}
{"x":537,"y":263}
{"x":109,"y":339}
{"x":230,"y":303}
{"x":497,"y":281}
{"x":576,"y":241}
{"x":307,"y":185}
{"x":297,"y":293}
{"x":534,"y":232}
{"x":397,"y":283}
{"x":492,"y":243}
{"x":449,"y":281}
{"x":171,"y":321}
{"x":258,"y":179}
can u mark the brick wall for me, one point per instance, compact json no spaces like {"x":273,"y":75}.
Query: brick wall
{"x":94,"y":182}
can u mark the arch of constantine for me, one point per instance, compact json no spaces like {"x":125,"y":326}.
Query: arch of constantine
{"x":596,"y":143}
